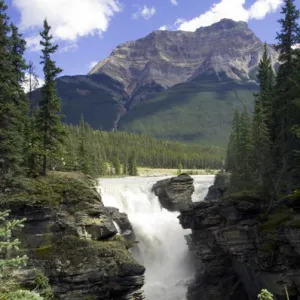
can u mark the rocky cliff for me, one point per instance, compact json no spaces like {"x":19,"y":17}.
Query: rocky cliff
{"x":240,"y":251}
{"x":69,"y":236}
{"x":175,"y":194}
{"x":165,"y":58}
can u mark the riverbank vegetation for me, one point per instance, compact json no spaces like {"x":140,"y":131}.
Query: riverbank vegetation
{"x":263,"y":151}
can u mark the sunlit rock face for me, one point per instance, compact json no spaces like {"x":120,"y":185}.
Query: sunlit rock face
{"x":165,"y":58}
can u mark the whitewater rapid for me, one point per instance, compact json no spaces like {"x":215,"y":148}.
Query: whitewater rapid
{"x":163,"y":249}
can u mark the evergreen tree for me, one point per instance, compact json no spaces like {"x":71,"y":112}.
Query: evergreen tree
{"x":233,"y":153}
{"x":262,"y":148}
{"x":246,"y":150}
{"x":132,"y":167}
{"x":33,"y":84}
{"x":17,"y":49}
{"x":48,"y":120}
{"x":117,"y":165}
{"x":285,"y":140}
{"x":262,"y":124}
{"x":8,"y":262}
{"x":10,"y":95}
{"x":83,"y":154}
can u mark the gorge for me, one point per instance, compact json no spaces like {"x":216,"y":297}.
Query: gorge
{"x":162,"y":246}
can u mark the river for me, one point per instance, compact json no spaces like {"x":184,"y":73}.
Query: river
{"x":163,"y":249}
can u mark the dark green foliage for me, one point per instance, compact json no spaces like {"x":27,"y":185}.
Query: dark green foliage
{"x":12,"y":100}
{"x":48,"y":119}
{"x":132,"y":166}
{"x":199,"y":111}
{"x":91,"y":150}
{"x":285,"y":140}
{"x":117,"y":165}
{"x":271,"y":158}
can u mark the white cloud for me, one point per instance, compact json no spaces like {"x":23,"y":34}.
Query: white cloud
{"x":164,"y":27}
{"x":145,"y":12}
{"x":174,"y":2}
{"x":69,"y":19}
{"x":232,"y":9}
{"x":68,"y":48}
{"x":92,"y":64}
{"x":33,"y":43}
{"x":25,"y":84}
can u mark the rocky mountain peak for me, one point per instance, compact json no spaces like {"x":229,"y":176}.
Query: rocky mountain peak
{"x":165,"y":58}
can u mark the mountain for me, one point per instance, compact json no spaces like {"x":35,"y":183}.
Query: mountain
{"x":165,"y":58}
{"x":171,"y":84}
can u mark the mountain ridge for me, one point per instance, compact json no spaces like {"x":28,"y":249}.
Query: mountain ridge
{"x":166,"y":58}
{"x":171,"y":84}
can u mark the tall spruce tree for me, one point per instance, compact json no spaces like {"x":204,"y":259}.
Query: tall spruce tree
{"x":10,"y":94}
{"x":283,"y":107}
{"x":85,"y":164}
{"x":17,"y":49}
{"x":49,"y":117}
{"x":132,"y":166}
{"x":262,"y":124}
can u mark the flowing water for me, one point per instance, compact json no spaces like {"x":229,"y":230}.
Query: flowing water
{"x":163,"y":249}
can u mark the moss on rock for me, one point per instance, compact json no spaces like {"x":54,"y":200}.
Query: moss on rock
{"x":53,"y":190}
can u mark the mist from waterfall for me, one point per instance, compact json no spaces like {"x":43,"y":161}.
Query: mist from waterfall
{"x":163,"y":249}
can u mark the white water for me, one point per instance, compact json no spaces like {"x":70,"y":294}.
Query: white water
{"x":163,"y":249}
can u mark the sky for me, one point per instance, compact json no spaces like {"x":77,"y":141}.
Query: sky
{"x":88,"y":30}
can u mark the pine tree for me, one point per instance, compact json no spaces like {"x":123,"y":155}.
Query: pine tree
{"x":83,"y":154}
{"x":262,"y":124}
{"x":10,"y":105}
{"x":33,"y":83}
{"x":7,"y":244}
{"x":246,"y":150}
{"x":233,"y":153}
{"x":8,"y":262}
{"x":284,"y":142}
{"x":132,"y":167}
{"x":262,"y":148}
{"x":117,"y":165}
{"x":48,"y":121}
{"x":17,"y":49}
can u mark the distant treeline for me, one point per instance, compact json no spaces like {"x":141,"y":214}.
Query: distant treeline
{"x":104,"y":153}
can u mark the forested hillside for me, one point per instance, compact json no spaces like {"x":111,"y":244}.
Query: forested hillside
{"x":198,"y":111}
{"x":90,"y":150}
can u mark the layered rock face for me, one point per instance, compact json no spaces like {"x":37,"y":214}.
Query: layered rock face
{"x":70,"y":237}
{"x":175,"y":194}
{"x":165,"y":58}
{"x":240,"y":253}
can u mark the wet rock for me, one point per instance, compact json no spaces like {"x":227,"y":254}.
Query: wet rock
{"x":239,"y":252}
{"x":175,"y":194}
{"x":122,"y":221}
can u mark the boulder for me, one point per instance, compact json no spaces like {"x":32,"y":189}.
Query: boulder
{"x":175,"y":194}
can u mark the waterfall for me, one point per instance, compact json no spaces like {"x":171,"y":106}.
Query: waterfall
{"x":163,"y":249}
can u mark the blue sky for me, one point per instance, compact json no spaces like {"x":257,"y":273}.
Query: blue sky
{"x":88,"y":30}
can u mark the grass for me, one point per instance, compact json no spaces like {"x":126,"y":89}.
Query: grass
{"x":142,"y":171}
